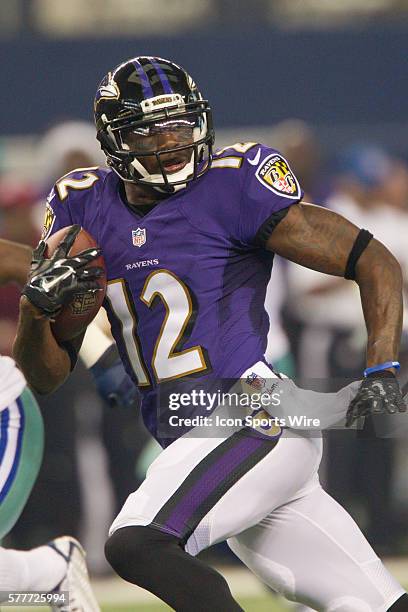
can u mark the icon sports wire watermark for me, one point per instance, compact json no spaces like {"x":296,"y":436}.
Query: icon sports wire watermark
{"x":217,"y":408}
{"x":233,"y":409}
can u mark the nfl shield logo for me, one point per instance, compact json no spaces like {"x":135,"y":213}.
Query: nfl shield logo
{"x":139,"y":237}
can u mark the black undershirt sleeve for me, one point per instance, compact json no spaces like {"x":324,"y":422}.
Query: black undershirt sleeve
{"x":269,"y":225}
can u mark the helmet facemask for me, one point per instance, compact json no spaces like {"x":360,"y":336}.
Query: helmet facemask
{"x":165,"y":148}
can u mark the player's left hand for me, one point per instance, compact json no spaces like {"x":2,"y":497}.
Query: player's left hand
{"x":112,"y":382}
{"x":379,"y":393}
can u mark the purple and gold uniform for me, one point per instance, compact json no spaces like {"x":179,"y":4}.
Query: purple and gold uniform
{"x":187,"y":280}
{"x":187,"y":283}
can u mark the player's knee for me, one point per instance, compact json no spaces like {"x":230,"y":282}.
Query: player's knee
{"x":112,"y":550}
{"x":133,"y":551}
{"x":125,"y":551}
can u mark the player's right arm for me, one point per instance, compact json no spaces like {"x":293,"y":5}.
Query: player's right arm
{"x":322,"y":240}
{"x":15,"y":262}
{"x":14,"y":267}
{"x":45,"y":363}
{"x":51,"y":284}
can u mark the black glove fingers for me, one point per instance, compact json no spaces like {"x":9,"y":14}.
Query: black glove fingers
{"x":38,"y":253}
{"x":66,"y":243}
{"x":377,"y":405}
{"x":57,"y":281}
{"x":41,"y":301}
{"x":67,"y":294}
{"x":352,"y":415}
{"x":376,"y":395}
{"x":368,"y":406}
{"x":89,"y":286}
{"x":401,"y":405}
{"x":363,"y":405}
{"x":90,"y":274}
{"x":84,"y":258}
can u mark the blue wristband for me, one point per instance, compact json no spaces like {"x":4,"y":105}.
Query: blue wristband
{"x":382,"y":366}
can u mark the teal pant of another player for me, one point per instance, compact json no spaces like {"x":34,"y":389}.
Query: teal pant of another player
{"x":21,"y":452}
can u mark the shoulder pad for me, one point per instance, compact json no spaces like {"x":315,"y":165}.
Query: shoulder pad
{"x":78,"y":180}
{"x":232,"y":156}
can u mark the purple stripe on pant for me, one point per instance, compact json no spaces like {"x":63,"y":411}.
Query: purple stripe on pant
{"x":210,"y":480}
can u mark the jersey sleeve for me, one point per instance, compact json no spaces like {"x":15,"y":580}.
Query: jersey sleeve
{"x":269,"y":189}
{"x":69,"y":199}
{"x":56,"y":215}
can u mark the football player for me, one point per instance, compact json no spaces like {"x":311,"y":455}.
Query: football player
{"x":57,"y":568}
{"x":188,"y":237}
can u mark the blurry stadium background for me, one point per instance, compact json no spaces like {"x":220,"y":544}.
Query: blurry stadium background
{"x":324,"y":81}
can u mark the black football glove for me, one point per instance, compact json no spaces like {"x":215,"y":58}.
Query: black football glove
{"x":54,"y":282}
{"x":379,"y":393}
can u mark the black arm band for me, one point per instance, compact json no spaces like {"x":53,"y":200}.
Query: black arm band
{"x":72,"y":352}
{"x":360,"y":244}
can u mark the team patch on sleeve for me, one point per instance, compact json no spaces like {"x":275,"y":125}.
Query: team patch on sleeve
{"x":49,"y":221}
{"x":275,"y":174}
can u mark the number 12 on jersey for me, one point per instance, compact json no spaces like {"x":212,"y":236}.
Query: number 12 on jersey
{"x":169,"y":360}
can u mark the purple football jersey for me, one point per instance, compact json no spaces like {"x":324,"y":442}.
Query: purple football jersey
{"x":187,"y":280}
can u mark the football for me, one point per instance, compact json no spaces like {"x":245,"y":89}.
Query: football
{"x":78,"y":314}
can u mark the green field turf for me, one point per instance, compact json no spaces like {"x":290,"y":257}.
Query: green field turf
{"x":259,"y":604}
{"x":265,"y":604}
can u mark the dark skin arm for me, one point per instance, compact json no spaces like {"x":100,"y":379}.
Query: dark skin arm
{"x":320,"y":239}
{"x":52,"y":282}
{"x":34,"y":337}
{"x":15,"y":262}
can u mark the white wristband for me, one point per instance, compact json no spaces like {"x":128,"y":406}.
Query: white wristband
{"x":95,"y":343}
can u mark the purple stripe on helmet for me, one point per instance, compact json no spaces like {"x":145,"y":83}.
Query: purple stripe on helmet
{"x":147,"y":88}
{"x":163,"y":78}
{"x":216,"y":474}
